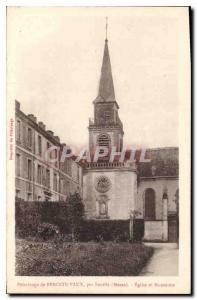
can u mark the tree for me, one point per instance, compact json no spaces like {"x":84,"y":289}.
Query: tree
{"x":75,"y":210}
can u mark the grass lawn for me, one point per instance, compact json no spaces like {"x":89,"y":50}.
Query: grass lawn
{"x":75,"y":259}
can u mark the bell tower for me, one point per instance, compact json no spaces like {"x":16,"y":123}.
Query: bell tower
{"x":105,"y":177}
{"x":106,"y":129}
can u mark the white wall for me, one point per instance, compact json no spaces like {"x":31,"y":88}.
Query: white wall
{"x":121,"y":194}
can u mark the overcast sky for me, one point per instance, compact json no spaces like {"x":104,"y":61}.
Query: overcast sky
{"x":54,"y":63}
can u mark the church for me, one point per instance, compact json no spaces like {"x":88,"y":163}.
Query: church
{"x":120,"y":188}
{"x":115,"y":184}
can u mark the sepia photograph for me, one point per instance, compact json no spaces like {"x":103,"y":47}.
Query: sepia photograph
{"x":98,"y":112}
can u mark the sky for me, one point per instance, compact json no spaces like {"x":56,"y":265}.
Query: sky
{"x":54,"y":58}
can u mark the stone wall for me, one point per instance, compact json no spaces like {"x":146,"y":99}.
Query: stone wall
{"x":156,"y":230}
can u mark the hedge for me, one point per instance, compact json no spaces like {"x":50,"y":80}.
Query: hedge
{"x":109,"y":230}
{"x":29,"y":216}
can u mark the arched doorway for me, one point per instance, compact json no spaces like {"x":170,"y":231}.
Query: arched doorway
{"x":149,"y":204}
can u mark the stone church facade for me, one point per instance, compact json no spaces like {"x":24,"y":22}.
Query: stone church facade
{"x":111,"y":189}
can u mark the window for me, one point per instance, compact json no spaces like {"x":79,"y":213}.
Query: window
{"x":48,"y":178}
{"x":29,"y":169}
{"x":67,"y":187}
{"x":62,"y":186}
{"x":29,"y":137}
{"x":39,"y":174}
{"x":17,"y":193}
{"x":67,"y":166}
{"x":54,"y":155}
{"x":48,"y":145}
{"x":18,"y":167}
{"x":55,"y":182}
{"x":39,"y":145}
{"x":107,"y":115}
{"x":43,"y":176}
{"x":18,"y":130}
{"x":24,"y":133}
{"x":29,"y":196}
{"x":149,"y":204}
{"x":103,"y":140}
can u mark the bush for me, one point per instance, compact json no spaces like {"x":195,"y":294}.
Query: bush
{"x":30,"y":215}
{"x":75,"y":213}
{"x":47,"y":231}
{"x":110,"y":230}
{"x":80,"y":259}
{"x":27,"y":218}
{"x":107,"y":230}
{"x":138,"y":230}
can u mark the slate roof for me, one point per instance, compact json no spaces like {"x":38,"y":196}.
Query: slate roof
{"x":106,"y":86}
{"x":164,"y":162}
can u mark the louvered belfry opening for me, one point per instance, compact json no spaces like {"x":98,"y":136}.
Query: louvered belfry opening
{"x":103,"y":140}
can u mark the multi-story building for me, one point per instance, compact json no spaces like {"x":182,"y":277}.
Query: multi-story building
{"x":37,"y":178}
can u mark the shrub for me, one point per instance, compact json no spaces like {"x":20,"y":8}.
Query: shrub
{"x":47,"y":231}
{"x":75,"y":213}
{"x":30,"y":215}
{"x":107,"y":230}
{"x":27,"y":218}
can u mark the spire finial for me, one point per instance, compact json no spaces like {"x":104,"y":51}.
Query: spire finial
{"x":106,"y":27}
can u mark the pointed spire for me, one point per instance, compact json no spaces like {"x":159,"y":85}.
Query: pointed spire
{"x":106,"y":27}
{"x":106,"y":86}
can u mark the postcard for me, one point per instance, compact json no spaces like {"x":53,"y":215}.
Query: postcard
{"x":98,"y":150}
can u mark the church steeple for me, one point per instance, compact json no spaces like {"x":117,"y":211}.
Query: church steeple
{"x":106,"y":85}
{"x":106,"y":128}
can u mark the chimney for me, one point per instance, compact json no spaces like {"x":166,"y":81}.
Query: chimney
{"x":42,"y":125}
{"x":17,"y":104}
{"x":63,"y":145}
{"x":32,"y":117}
{"x":50,"y":132}
{"x":57,"y":138}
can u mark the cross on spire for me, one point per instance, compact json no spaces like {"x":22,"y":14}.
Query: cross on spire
{"x":106,"y":27}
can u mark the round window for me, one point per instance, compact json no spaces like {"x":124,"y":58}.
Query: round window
{"x":102,"y":184}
